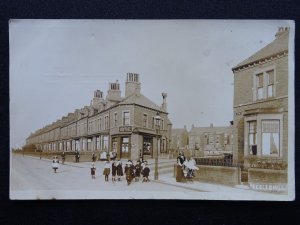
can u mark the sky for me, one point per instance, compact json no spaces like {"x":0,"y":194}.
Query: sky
{"x":55,"y":66}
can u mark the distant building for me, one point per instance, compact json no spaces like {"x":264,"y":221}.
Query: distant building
{"x":211,"y":141}
{"x":261,"y":102}
{"x":115,"y":123}
{"x":179,"y":138}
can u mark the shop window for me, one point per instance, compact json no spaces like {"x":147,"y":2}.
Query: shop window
{"x":147,"y":146}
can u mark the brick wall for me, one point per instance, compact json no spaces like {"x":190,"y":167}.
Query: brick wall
{"x":219,"y":174}
{"x":267,"y":176}
{"x":243,"y":81}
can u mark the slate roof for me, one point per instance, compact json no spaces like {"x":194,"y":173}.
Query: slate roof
{"x":141,"y":100}
{"x":280,"y":44}
{"x":201,"y":130}
{"x":176,"y":131}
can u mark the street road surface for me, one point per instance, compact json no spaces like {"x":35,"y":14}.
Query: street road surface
{"x":31,"y":174}
{"x":34,"y":178}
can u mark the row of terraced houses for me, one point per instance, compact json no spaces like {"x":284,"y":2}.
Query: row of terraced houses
{"x":125,"y":125}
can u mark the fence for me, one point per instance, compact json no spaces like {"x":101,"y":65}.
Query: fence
{"x":226,"y":160}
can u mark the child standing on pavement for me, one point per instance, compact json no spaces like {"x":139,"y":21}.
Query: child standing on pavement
{"x":93,"y":171}
{"x":146,"y":172}
{"x":106,"y":170}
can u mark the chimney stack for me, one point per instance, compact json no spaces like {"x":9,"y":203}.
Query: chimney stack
{"x":132,"y":85}
{"x":114,"y":92}
{"x":97,"y":100}
{"x":164,"y":104}
{"x":281,"y":30}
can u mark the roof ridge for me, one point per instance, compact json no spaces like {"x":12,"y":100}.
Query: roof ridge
{"x":277,"y":42}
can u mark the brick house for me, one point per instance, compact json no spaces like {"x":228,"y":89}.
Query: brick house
{"x":261,"y":103}
{"x":211,"y":141}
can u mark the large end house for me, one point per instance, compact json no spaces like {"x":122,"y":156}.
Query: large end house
{"x":261,"y":103}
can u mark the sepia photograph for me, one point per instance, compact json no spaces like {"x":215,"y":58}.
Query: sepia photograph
{"x":152,"y":109}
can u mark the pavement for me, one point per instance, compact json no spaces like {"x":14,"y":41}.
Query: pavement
{"x":156,"y":188}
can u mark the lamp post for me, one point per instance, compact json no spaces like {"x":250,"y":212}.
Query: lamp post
{"x":157,"y":126}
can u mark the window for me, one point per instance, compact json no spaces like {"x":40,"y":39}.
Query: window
{"x":147,"y":146}
{"x":145,"y":119}
{"x":115,"y":119}
{"x":77,"y":145}
{"x":270,"y":83}
{"x":270,"y":137}
{"x":98,"y":143}
{"x":106,"y":122}
{"x":162,"y":124}
{"x":252,"y":137}
{"x":211,"y":140}
{"x":105,"y":142}
{"x":225,"y":138}
{"x":264,"y":85}
{"x":83,"y":144}
{"x":115,"y":144}
{"x":126,"y":118}
{"x":259,"y":85}
{"x":99,"y":124}
{"x":90,"y":127}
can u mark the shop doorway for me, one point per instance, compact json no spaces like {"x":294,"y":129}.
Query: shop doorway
{"x":124,"y":147}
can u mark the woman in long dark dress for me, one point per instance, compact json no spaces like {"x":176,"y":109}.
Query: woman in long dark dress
{"x":114,"y":170}
{"x":137,"y":171}
{"x":119,"y":170}
{"x":129,"y":172}
{"x":179,"y":168}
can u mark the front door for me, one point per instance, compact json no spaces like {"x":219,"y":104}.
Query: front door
{"x":124,"y":147}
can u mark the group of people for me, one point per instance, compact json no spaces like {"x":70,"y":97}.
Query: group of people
{"x":112,"y":156}
{"x":186,"y":167}
{"x":130,"y":170}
